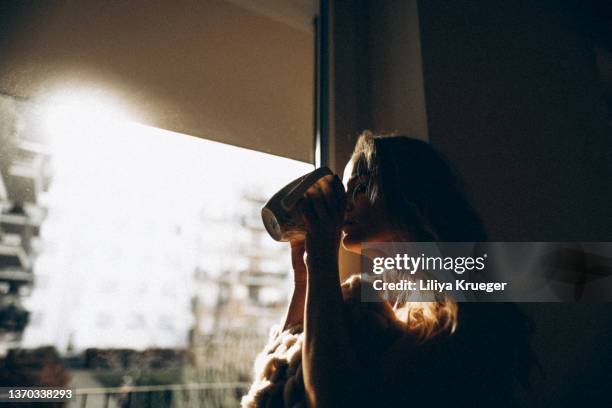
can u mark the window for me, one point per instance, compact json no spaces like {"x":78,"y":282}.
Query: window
{"x":156,"y":246}
{"x":122,"y":184}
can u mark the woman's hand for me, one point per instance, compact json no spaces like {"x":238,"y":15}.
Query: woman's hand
{"x":323,"y":209}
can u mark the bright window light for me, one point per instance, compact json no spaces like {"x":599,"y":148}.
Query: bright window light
{"x":142,"y":221}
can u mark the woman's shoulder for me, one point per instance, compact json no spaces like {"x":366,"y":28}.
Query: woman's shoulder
{"x":366,"y":309}
{"x":372,"y":312}
{"x":374,"y":322}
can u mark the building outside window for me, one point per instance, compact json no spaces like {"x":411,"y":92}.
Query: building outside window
{"x":155,"y":267}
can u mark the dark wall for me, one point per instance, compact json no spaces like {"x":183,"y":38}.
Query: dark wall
{"x":349,"y":85}
{"x":514,"y":100}
{"x":378,"y":79}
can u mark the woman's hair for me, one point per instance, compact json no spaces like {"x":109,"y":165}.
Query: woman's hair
{"x":423,"y":197}
{"x":418,"y":188}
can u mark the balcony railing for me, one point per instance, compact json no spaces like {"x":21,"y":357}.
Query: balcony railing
{"x":221,"y":394}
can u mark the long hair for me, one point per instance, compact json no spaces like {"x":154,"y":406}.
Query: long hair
{"x":424,"y":196}
{"x":418,"y":188}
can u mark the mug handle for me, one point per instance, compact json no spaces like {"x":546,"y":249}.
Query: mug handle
{"x":291,"y":199}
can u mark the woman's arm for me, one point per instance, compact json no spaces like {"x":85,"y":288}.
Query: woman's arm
{"x":333,"y":376}
{"x":295,"y":312}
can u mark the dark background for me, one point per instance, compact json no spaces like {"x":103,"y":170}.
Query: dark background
{"x":517,"y":94}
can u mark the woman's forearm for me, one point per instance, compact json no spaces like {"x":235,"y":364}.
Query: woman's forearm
{"x":295,"y":311}
{"x":332,"y":374}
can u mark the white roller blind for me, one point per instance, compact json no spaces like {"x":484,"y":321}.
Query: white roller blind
{"x":207,"y":68}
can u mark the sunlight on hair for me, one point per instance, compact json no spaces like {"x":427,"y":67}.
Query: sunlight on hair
{"x":428,"y":319}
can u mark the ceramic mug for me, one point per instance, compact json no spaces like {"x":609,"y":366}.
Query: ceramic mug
{"x":281,"y":215}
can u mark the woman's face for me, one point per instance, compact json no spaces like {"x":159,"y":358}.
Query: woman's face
{"x":363,"y":221}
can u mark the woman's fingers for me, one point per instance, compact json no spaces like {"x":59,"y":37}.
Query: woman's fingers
{"x":325,"y":200}
{"x":307,"y":209}
{"x":333,"y":192}
{"x":315,"y":196}
{"x":326,"y":192}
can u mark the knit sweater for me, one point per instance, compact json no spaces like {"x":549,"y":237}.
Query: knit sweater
{"x":278,"y":379}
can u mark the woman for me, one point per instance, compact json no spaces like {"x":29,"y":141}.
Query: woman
{"x":335,"y":351}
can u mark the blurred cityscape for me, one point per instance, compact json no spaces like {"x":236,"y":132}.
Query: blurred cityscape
{"x":25,"y":174}
{"x":109,"y":287}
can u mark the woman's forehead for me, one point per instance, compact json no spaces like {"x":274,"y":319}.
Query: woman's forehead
{"x":348,"y":172}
